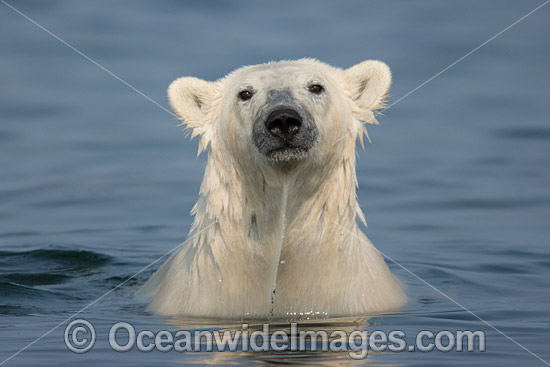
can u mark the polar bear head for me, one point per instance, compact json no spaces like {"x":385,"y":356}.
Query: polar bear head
{"x":282,"y":114}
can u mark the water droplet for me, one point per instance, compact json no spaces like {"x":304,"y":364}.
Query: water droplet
{"x":272,"y":304}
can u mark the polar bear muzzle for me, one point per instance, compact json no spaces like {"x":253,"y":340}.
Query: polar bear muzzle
{"x":284,"y":131}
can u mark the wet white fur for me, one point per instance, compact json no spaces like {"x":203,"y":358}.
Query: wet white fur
{"x":249,"y":234}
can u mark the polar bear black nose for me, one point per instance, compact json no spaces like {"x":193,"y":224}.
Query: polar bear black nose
{"x":283,"y":123}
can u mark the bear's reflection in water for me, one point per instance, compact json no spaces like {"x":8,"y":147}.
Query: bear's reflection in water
{"x":327,"y":342}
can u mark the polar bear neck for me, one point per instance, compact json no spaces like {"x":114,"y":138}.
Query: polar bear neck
{"x":267,"y":225}
{"x":256,"y":202}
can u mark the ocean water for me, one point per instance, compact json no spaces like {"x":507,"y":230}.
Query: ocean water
{"x":97,"y":181}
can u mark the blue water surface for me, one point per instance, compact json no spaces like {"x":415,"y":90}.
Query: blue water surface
{"x":97,"y":181}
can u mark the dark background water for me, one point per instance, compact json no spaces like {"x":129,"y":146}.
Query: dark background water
{"x":96,"y":181}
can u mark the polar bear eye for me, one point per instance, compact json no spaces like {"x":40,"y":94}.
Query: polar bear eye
{"x":316,"y":88}
{"x":245,"y":95}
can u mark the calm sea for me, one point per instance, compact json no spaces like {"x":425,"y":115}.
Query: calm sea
{"x":97,"y":181}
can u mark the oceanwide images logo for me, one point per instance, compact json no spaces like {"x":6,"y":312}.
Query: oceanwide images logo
{"x":80,"y":337}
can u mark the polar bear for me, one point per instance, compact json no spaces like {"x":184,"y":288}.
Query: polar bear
{"x":275,"y":231}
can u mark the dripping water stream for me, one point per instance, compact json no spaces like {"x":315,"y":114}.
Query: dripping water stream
{"x":279,"y":245}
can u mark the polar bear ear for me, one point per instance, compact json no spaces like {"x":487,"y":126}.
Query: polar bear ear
{"x":191,"y":99}
{"x":368,"y":85}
